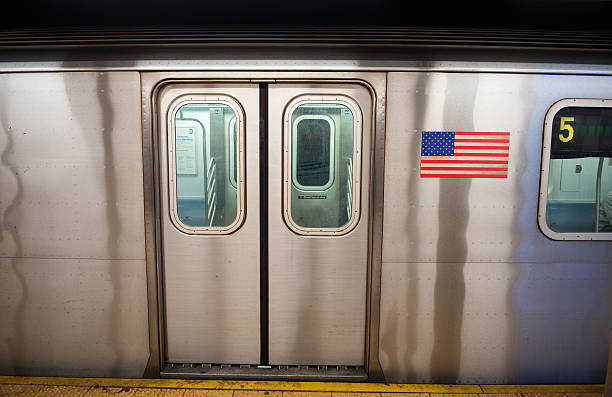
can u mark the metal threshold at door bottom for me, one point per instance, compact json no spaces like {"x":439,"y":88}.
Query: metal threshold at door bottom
{"x":242,"y":371}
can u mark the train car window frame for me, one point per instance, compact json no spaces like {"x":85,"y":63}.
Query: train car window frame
{"x":294,"y":161}
{"x":173,"y":110}
{"x":545,"y":171}
{"x":354,"y":108}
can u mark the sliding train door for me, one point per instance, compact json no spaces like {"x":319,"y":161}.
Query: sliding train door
{"x":319,"y":162}
{"x":263,"y":221}
{"x":209,"y":222}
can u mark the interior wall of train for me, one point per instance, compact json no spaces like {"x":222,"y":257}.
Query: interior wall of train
{"x":134,"y":222}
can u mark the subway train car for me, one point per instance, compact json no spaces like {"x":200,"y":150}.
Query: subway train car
{"x":399,"y":205}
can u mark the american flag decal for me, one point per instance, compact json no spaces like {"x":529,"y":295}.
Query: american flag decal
{"x":450,"y":154}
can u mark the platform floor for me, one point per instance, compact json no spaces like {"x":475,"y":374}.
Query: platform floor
{"x":90,"y":387}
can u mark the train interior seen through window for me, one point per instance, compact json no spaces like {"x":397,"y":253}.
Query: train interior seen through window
{"x":579,"y":196}
{"x":206,"y":165}
{"x":322,"y":165}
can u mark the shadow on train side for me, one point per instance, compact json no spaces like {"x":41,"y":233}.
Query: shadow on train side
{"x":407,"y":330}
{"x":106,"y":118}
{"x":10,"y":219}
{"x":452,"y":245}
{"x":62,"y":264}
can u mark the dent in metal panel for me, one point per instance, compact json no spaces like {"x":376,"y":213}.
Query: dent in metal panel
{"x":77,"y":181}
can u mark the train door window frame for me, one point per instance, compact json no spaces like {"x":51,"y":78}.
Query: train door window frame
{"x":233,"y":149}
{"x":545,"y":171}
{"x":331,"y":157}
{"x":173,"y":110}
{"x":288,"y":169}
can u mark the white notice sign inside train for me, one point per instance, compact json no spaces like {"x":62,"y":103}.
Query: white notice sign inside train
{"x":185,"y":151}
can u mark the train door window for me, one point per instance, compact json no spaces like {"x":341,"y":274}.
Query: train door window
{"x":322,"y":164}
{"x":203,"y":140}
{"x":313,"y":154}
{"x":576,"y":187}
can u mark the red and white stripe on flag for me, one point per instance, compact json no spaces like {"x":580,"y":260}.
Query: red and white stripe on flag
{"x":472,"y":155}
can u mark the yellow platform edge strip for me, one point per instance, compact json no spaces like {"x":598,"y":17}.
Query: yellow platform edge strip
{"x":300,"y":386}
{"x":586,"y":388}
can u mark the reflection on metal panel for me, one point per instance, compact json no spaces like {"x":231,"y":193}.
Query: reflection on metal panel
{"x":547,"y":328}
{"x":75,"y":138}
{"x":440,"y":237}
{"x":317,"y":284}
{"x":72,"y":241}
{"x":66,"y":321}
{"x":211,"y":287}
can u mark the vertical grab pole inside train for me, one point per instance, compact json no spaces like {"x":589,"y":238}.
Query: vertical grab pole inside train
{"x":608,"y":391}
{"x":598,"y":194}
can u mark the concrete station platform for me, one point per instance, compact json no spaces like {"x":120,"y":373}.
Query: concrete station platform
{"x":89,"y":387}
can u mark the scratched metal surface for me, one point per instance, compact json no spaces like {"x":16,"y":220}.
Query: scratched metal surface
{"x":72,"y":262}
{"x":472,"y":291}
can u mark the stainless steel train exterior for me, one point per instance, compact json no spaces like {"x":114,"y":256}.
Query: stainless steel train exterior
{"x":424,"y":280}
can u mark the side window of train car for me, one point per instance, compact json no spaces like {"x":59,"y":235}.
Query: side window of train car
{"x":206,"y":183}
{"x":322,"y":164}
{"x":576,"y":184}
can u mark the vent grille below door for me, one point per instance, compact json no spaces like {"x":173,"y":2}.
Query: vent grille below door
{"x":247,"y":371}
